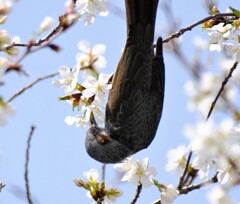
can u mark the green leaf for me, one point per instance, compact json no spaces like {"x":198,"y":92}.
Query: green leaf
{"x":235,"y":11}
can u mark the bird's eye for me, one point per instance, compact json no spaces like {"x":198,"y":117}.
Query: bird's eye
{"x":103,"y":139}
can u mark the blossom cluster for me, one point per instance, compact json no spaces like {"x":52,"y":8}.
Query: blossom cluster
{"x":135,"y":172}
{"x":203,"y":91}
{"x":96,"y":189}
{"x":218,"y":147}
{"x":215,"y":147}
{"x":225,"y":37}
{"x":7,"y":53}
{"x":89,"y":96}
{"x":89,"y":9}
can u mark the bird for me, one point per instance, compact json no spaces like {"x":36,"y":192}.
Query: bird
{"x":135,"y":101}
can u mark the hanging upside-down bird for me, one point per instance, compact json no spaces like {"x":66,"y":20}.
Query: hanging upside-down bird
{"x":135,"y":101}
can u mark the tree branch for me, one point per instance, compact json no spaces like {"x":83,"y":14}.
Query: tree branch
{"x":189,"y":28}
{"x":221,"y":89}
{"x":187,"y":189}
{"x":42,"y":43}
{"x":139,"y":189}
{"x":26,"y":166}
{"x":180,"y":184}
{"x":31,"y":85}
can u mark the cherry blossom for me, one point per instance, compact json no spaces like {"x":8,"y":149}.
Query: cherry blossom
{"x":91,"y":175}
{"x":90,"y":9}
{"x":177,"y":159}
{"x":137,"y":171}
{"x":233,"y":50}
{"x":215,"y":145}
{"x":6,"y":40}
{"x":79,"y":120}
{"x":96,"y":87}
{"x":90,"y":59}
{"x":202,"y":92}
{"x":169,"y":194}
{"x":96,"y":188}
{"x":217,"y":34}
{"x":69,"y":78}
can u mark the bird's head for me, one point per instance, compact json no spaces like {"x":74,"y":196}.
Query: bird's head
{"x":102,"y":147}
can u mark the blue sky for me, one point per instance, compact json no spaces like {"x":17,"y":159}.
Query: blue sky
{"x":57,"y":150}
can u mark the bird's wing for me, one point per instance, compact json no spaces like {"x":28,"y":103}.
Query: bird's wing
{"x":135,"y":101}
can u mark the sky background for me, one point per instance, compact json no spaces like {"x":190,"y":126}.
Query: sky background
{"x":57,"y":150}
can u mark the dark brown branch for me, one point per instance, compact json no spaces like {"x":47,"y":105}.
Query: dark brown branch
{"x":2,"y":185}
{"x":187,"y":189}
{"x":189,"y":28}
{"x":42,"y":43}
{"x":139,"y":189}
{"x":55,"y":31}
{"x":225,"y":81}
{"x":26,"y":166}
{"x":31,"y":85}
{"x":180,"y":184}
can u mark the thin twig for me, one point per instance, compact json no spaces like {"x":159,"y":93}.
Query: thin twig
{"x":221,"y":89}
{"x":2,"y":185}
{"x":30,"y":85}
{"x":103,"y":171}
{"x":43,"y":42}
{"x":180,"y":184}
{"x":187,"y":189}
{"x":56,"y":30}
{"x":189,"y":28}
{"x":26,"y":166}
{"x":139,"y":189}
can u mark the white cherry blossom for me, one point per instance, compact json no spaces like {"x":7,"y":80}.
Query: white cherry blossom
{"x":79,"y":120}
{"x":215,"y":145}
{"x":217,"y":34}
{"x":96,"y":87}
{"x":68,"y":80}
{"x":91,"y":8}
{"x":137,"y":171}
{"x":97,"y":110}
{"x":91,"y":175}
{"x":90,"y":57}
{"x":126,"y":165}
{"x":169,"y":194}
{"x":177,"y":159}
{"x":233,"y":50}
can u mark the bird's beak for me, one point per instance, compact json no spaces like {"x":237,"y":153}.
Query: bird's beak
{"x":92,"y":120}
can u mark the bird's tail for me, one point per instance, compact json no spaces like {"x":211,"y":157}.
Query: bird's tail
{"x":141,"y":12}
